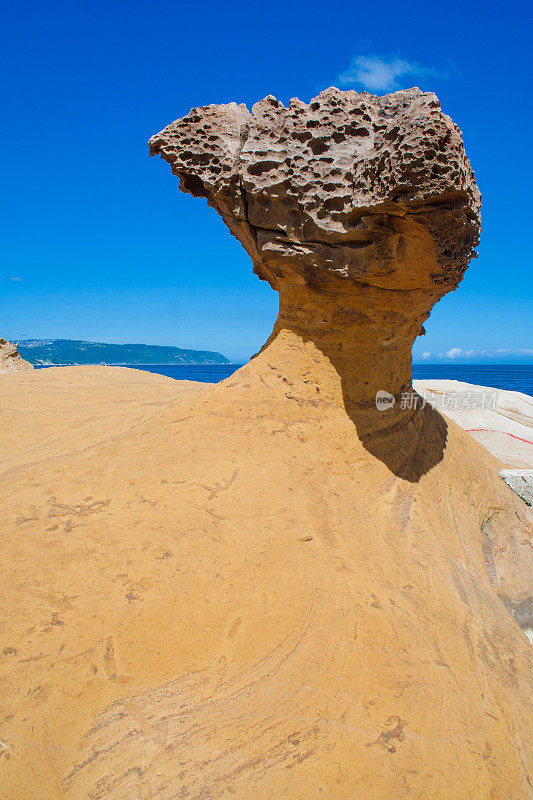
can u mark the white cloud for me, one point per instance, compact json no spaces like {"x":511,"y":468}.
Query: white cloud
{"x":16,"y":280}
{"x":461,"y":354}
{"x":519,"y":351}
{"x":458,"y":352}
{"x":454,"y":352}
{"x":382,"y":73}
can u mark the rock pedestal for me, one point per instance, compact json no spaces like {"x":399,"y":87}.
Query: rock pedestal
{"x":361,"y":212}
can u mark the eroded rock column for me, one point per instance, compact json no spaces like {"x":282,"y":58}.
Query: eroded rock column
{"x":360,"y":211}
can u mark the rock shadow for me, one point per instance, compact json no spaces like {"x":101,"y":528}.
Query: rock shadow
{"x":409,"y":447}
{"x":409,"y":440}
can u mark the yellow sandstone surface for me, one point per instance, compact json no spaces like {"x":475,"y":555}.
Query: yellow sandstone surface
{"x":218,"y":591}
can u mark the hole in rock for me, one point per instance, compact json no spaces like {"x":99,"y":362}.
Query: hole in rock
{"x":193,"y":185}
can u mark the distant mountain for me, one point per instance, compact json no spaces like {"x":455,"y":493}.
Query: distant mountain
{"x":60,"y":352}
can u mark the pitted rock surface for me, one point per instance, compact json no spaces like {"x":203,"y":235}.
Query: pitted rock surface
{"x":340,"y":184}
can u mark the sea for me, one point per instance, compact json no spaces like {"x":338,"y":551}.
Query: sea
{"x":515,"y":377}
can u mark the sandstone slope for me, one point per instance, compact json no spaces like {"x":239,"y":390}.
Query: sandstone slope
{"x":234,"y":599}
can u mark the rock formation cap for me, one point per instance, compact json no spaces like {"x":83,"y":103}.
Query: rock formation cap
{"x":375,"y":190}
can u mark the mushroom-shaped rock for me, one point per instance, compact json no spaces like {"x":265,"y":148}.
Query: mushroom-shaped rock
{"x":362,"y":212}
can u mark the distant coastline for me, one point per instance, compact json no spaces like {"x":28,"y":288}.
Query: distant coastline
{"x":72,"y":352}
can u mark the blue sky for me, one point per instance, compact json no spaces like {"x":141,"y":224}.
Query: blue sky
{"x":99,"y":244}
